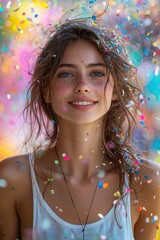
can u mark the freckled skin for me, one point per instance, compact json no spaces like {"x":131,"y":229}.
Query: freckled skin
{"x":81,"y":76}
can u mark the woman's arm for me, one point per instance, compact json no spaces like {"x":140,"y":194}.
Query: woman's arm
{"x":147,"y":224}
{"x":9,"y":221}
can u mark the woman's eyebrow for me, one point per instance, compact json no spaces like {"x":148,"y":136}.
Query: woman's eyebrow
{"x":88,"y":66}
{"x":96,"y":65}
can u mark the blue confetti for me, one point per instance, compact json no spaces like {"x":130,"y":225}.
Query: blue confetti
{"x":146,"y":177}
{"x":94,"y":17}
{"x":124,"y":31}
{"x":4,"y":49}
{"x":100,"y":184}
{"x":1,"y":9}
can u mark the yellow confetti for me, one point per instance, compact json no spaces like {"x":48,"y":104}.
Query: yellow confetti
{"x":135,"y":15}
{"x":117,"y":194}
{"x":147,"y":13}
{"x":155,"y":44}
{"x":52,"y":191}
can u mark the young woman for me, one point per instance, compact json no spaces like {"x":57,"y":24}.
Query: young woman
{"x":84,"y":180}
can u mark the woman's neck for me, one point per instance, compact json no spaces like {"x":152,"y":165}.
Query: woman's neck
{"x":79,"y":149}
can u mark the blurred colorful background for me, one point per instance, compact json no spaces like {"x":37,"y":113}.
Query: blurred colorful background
{"x":23,"y":25}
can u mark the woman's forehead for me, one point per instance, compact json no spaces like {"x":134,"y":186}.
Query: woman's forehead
{"x":82,"y":51}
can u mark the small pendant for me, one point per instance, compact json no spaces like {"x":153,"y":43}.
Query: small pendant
{"x":83,"y":231}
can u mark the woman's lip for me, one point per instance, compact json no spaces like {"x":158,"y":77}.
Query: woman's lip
{"x":83,"y":100}
{"x":82,"y":107}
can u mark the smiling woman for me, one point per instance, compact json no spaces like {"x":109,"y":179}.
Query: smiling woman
{"x":84,"y":179}
{"x":83,"y":84}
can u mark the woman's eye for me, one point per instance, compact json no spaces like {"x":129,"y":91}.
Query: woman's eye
{"x":97,"y":74}
{"x":65,"y":75}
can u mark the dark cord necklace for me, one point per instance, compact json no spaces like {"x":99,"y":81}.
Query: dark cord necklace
{"x":89,"y":210}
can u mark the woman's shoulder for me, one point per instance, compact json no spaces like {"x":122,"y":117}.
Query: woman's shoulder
{"x":14,"y":169}
{"x":147,"y":182}
{"x":147,"y":189}
{"x":15,"y":192}
{"x":148,"y":163}
{"x":150,"y":170}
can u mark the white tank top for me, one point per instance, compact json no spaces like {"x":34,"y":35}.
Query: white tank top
{"x":48,"y":226}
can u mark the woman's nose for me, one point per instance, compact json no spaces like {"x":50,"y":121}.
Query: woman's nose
{"x":82,"y":86}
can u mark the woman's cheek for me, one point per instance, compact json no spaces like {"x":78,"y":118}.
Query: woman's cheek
{"x":62,"y":87}
{"x":99,"y":83}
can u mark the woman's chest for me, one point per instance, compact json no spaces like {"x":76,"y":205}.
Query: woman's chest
{"x":76,"y":204}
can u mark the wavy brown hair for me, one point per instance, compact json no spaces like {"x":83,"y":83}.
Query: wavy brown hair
{"x":119,"y":122}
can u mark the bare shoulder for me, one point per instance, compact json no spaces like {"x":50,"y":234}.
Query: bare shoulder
{"x":148,"y":179}
{"x":14,"y":166}
{"x":14,"y":172}
{"x":14,"y":187}
{"x":148,"y":194}
{"x":150,"y":164}
{"x":150,"y":172}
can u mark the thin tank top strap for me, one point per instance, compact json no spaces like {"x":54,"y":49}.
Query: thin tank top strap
{"x":31,"y":164}
{"x":126,"y":180}
{"x":35,"y":187}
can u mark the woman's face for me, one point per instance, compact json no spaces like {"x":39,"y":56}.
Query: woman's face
{"x":81,"y":90}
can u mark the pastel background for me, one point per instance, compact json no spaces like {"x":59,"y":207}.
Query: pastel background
{"x":23,"y":24}
{"x":22,"y":31}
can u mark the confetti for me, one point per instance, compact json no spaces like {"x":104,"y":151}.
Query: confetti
{"x":52,"y":191}
{"x":149,"y":181}
{"x":147,"y":220}
{"x":111,"y":145}
{"x":100,"y":184}
{"x":128,"y":190}
{"x":100,"y":215}
{"x":56,"y":162}
{"x":105,"y":185}
{"x":1,"y":9}
{"x":65,"y":157}
{"x":48,"y":180}
{"x":156,"y":71}
{"x":136,"y":162}
{"x":103,"y":237}
{"x":146,"y":176}
{"x":101,"y":174}
{"x":3,"y":183}
{"x":155,"y":218}
{"x":53,"y":121}
{"x":8,"y":5}
{"x":117,"y":194}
